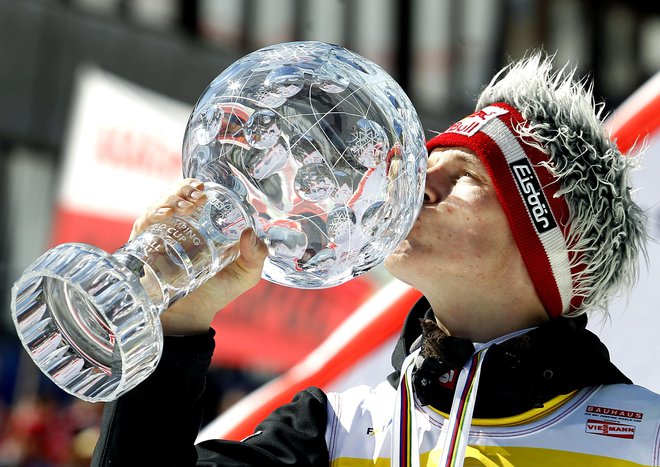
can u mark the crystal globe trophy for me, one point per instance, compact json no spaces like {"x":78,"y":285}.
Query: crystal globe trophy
{"x":314,"y":147}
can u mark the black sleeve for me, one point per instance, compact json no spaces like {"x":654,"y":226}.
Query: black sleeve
{"x":157,"y":422}
{"x":294,"y":434}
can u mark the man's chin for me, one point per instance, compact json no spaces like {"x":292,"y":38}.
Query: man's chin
{"x":397,"y":259}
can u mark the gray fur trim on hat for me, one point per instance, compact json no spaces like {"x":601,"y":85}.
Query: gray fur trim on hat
{"x":606,"y":227}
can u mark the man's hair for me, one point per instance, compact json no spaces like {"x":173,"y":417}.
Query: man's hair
{"x":606,"y":231}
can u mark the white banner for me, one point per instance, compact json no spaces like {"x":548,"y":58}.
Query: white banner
{"x":123,"y":147}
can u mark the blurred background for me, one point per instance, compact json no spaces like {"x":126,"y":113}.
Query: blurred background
{"x":94,"y":97}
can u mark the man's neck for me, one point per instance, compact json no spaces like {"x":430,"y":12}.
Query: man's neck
{"x":483,"y":317}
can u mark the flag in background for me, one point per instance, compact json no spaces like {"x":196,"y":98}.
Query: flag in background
{"x":122,"y":150}
{"x":632,"y":332}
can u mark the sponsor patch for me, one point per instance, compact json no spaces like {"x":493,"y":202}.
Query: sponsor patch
{"x":611,"y":421}
{"x":612,"y":412}
{"x":530,"y":189}
{"x":610,"y":428}
{"x":472,"y":123}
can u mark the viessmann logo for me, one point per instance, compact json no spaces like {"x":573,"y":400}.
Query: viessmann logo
{"x":530,"y":188}
{"x":612,"y":429}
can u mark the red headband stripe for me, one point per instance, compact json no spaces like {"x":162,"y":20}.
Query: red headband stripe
{"x":526,"y":191}
{"x":551,"y":238}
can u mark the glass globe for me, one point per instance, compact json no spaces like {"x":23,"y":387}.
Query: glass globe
{"x":323,"y":147}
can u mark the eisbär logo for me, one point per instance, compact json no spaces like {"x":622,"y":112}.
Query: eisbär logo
{"x":472,"y":123}
{"x":613,"y":429}
{"x":530,"y":189}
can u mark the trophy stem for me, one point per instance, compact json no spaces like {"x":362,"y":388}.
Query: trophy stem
{"x":174,"y":257}
{"x":90,"y":320}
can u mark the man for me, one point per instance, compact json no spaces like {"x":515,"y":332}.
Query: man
{"x":527,"y":224}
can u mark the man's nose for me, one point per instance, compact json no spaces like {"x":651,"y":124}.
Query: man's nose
{"x":436,"y":187}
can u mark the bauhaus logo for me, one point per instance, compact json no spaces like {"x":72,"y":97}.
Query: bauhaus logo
{"x":612,"y":429}
{"x":612,"y":412}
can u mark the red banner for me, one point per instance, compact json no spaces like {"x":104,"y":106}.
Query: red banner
{"x":273,"y":327}
{"x":107,"y":233}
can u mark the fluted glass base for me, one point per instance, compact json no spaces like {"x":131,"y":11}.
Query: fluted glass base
{"x":112,"y":337}
{"x":90,"y":320}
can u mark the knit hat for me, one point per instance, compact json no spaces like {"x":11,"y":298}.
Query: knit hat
{"x":561,"y":180}
{"x":528,"y":193}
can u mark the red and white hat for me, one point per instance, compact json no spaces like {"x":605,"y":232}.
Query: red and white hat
{"x":528,"y":193}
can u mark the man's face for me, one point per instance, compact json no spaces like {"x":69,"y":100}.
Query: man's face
{"x":462,"y":234}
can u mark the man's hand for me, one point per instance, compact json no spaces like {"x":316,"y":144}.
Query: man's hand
{"x":193,"y":314}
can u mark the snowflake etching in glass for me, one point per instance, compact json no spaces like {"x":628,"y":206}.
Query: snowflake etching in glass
{"x":325,"y":146}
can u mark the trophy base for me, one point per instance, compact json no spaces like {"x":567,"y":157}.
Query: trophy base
{"x":87,"y":322}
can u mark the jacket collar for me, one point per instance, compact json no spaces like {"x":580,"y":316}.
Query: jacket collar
{"x":522,"y":373}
